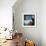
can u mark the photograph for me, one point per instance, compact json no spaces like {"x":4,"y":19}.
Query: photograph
{"x":29,"y":20}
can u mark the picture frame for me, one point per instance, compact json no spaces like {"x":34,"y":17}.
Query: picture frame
{"x":29,"y":20}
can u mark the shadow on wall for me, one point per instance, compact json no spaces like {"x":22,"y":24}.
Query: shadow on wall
{"x":27,"y":6}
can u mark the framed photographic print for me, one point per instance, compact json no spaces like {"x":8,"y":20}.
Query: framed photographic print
{"x":29,"y":20}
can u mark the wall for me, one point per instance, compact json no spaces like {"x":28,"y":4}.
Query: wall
{"x":43,"y":22}
{"x":28,"y":6}
{"x":6,"y":13}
